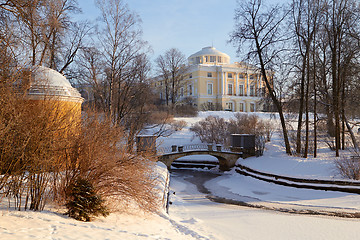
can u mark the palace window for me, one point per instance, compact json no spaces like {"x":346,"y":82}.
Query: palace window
{"x":241,"y":90}
{"x":230,"y":89}
{"x":190,"y":90}
{"x":230,"y":75}
{"x":229,"y":106}
{"x":181,"y":92}
{"x":219,"y":59}
{"x":209,"y":88}
{"x":241,"y":76}
{"x":251,"y":77}
{"x":252,"y":107}
{"x":241,"y":107}
{"x":206,"y":58}
{"x":252,"y":90}
{"x":212,"y":58}
{"x":190,"y":76}
{"x":209,"y":74}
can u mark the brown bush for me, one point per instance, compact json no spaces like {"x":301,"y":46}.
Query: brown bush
{"x":178,"y":125}
{"x":99,"y":156}
{"x":209,"y":106}
{"x":44,"y":148}
{"x":246,"y":124}
{"x":349,"y":167}
{"x":185,"y":110}
{"x":33,"y":135}
{"x":212,"y":129}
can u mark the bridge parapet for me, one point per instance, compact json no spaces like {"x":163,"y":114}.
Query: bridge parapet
{"x":192,"y":147}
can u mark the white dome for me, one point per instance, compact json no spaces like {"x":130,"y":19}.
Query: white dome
{"x":209,"y":55}
{"x":48,"y":82}
{"x":211,"y":51}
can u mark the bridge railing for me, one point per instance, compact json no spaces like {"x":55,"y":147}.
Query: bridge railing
{"x":192,"y":147}
{"x":163,"y":150}
{"x":195,"y":147}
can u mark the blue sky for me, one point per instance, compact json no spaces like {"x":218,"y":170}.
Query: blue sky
{"x":188,"y":25}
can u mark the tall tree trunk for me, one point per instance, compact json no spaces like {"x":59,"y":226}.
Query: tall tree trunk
{"x":315,"y":103}
{"x":353,"y":138}
{"x":275,"y":100}
{"x":301,"y":102}
{"x":307,"y":107}
{"x":343,"y":114}
{"x":335,"y":82}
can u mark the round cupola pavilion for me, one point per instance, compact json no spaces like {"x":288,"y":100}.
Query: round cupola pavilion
{"x":209,"y":55}
{"x":50,"y":88}
{"x":46,"y":83}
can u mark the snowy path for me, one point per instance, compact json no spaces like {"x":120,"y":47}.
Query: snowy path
{"x":220,"y":221}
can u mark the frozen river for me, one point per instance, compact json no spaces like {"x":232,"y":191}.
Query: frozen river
{"x":204,"y":219}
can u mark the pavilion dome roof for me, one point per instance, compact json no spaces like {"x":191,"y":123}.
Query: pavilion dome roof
{"x":48,"y":82}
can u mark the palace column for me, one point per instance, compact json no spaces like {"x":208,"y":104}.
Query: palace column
{"x":222,"y":83}
{"x":236,"y":84}
{"x":218,"y":83}
{"x":247,"y":84}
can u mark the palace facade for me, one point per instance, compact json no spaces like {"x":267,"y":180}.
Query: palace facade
{"x":211,"y":80}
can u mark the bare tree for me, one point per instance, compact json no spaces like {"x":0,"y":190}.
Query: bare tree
{"x":261,"y":27}
{"x":171,"y":67}
{"x":44,"y":29}
{"x":305,"y":19}
{"x":341,"y":27}
{"x":91,"y":68}
{"x":122,"y":47}
{"x":116,"y":68}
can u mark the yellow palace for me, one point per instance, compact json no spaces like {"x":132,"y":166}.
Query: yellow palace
{"x":211,"y":79}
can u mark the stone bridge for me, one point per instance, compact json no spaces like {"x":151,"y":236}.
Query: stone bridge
{"x":225,"y":156}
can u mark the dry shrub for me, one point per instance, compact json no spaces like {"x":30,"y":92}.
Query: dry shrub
{"x":250,"y":124}
{"x":159,"y":116}
{"x":245,"y":124}
{"x":269,"y":129}
{"x":212,"y":129}
{"x":44,"y":149}
{"x":178,"y":125}
{"x":209,"y":106}
{"x":185,"y":110}
{"x":33,"y":135}
{"x":100,"y":156}
{"x":348,"y":167}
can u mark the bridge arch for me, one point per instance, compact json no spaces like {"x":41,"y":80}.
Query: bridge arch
{"x":226,"y":160}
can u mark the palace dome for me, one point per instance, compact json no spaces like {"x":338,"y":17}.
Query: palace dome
{"x":209,"y":55}
{"x":48,"y":82}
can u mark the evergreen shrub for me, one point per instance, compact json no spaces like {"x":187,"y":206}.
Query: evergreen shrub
{"x":84,"y":203}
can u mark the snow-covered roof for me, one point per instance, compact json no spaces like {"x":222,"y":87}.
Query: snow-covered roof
{"x":210,"y":51}
{"x":48,"y":82}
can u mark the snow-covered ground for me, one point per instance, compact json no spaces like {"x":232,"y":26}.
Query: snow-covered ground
{"x":219,"y":221}
{"x":193,"y":216}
